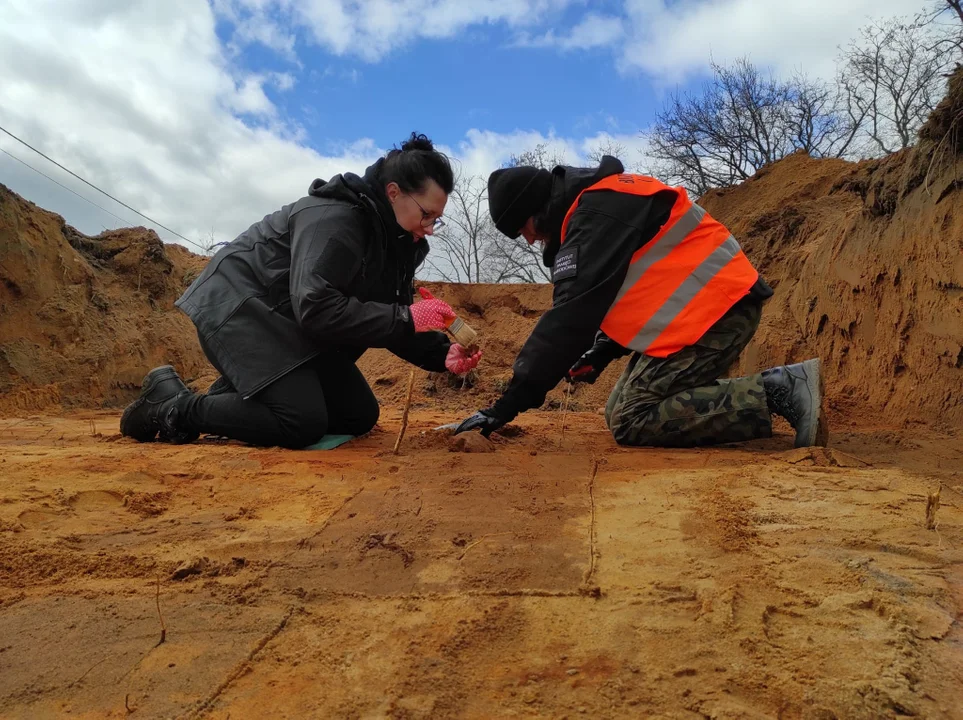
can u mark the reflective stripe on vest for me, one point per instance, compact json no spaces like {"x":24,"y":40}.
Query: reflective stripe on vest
{"x":680,"y":282}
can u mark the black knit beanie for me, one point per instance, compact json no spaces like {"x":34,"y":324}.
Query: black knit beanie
{"x":516,"y":194}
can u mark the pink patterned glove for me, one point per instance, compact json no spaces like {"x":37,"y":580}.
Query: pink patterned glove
{"x":431,"y":314}
{"x":460,"y":361}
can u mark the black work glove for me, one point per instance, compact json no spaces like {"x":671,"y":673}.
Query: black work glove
{"x":482,"y":420}
{"x":585,"y":370}
{"x":588,"y":367}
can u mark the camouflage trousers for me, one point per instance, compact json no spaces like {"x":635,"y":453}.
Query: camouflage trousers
{"x":679,"y":401}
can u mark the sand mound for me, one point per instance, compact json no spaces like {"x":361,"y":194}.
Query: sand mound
{"x":82,"y":317}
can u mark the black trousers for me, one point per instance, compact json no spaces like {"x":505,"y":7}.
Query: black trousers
{"x":326,"y":396}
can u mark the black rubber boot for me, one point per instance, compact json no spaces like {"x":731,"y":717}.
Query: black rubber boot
{"x":795,"y":392}
{"x":154,"y":413}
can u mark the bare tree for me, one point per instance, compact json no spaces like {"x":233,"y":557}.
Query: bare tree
{"x":743,"y":119}
{"x":520,"y":262}
{"x":607,"y":147}
{"x":465,"y":249}
{"x":891,"y":78}
{"x":815,"y":120}
{"x":210,"y":244}
{"x":540,"y":156}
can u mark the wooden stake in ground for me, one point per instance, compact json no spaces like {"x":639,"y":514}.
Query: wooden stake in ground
{"x":568,"y":394}
{"x":588,"y":583}
{"x":932,"y":505}
{"x":163,"y":636}
{"x":404,"y":413}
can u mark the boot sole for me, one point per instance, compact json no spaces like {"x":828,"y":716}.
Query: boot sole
{"x":819,"y":434}
{"x":151,"y":379}
{"x":125,"y":418}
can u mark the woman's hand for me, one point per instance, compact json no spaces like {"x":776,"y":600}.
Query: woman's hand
{"x":431,"y":313}
{"x":460,"y":361}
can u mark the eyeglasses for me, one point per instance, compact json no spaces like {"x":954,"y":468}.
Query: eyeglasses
{"x":427,"y":221}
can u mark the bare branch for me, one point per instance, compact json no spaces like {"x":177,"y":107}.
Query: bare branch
{"x":540,"y":156}
{"x":892,"y":77}
{"x":210,"y":244}
{"x":607,"y":147}
{"x":941,"y":7}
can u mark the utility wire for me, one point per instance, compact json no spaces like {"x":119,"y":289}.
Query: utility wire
{"x":40,"y":172}
{"x":104,"y":192}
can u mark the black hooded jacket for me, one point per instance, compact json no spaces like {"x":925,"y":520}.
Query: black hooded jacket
{"x":331,"y":273}
{"x":603,"y":233}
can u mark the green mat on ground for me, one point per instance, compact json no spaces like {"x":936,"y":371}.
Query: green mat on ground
{"x":329,"y":442}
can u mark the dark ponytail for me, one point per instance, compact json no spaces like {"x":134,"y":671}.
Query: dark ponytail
{"x":415,"y":163}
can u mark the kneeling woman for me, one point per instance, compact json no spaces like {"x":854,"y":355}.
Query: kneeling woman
{"x":285,"y":310}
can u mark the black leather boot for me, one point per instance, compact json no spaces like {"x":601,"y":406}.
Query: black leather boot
{"x":220,"y":386}
{"x":795,"y":392}
{"x":155,"y":413}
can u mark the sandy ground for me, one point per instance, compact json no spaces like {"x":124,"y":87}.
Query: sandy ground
{"x":535,"y":581}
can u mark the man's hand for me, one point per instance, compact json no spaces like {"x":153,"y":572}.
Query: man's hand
{"x":583,"y":371}
{"x":483,"y":421}
{"x":588,"y":367}
{"x":460,"y":361}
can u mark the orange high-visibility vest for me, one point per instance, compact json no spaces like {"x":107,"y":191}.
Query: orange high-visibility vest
{"x":680,"y":282}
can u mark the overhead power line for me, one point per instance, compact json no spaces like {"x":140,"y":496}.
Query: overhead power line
{"x":103,"y":192}
{"x":55,"y":182}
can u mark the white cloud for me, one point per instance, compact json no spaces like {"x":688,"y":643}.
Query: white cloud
{"x":250,"y":97}
{"x":483,"y":150}
{"x":263,"y":30}
{"x":669,"y":41}
{"x":253,"y":24}
{"x":592,"y":31}
{"x":371,"y":29}
{"x":352,"y":75}
{"x":283,"y":81}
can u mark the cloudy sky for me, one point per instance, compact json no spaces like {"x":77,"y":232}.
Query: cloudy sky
{"x":208,"y":115}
